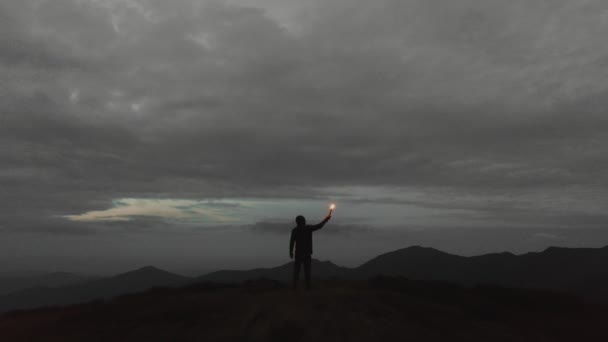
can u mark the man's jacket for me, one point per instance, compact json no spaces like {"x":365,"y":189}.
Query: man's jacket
{"x":301,"y":236}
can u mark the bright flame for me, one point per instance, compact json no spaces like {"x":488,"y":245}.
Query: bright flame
{"x":332,"y":206}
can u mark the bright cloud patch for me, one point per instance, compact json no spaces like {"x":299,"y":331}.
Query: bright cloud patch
{"x":190,"y":210}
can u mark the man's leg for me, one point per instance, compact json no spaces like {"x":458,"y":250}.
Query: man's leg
{"x":296,"y":272}
{"x":307,"y":271}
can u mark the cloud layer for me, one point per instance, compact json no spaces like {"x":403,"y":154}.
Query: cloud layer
{"x":456,"y":113}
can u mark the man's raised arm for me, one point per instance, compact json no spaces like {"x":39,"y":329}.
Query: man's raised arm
{"x":321,"y":224}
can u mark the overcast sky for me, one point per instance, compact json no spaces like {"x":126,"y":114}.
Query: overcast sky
{"x":189,"y":134}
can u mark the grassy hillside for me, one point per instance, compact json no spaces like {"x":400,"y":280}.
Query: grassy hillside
{"x":382,"y":309}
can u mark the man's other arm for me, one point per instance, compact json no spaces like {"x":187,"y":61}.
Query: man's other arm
{"x":321,"y":224}
{"x":292,"y":242}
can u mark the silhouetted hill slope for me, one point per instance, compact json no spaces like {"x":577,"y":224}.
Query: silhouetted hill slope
{"x":321,"y":269}
{"x":144,"y":277}
{"x":56,"y":279}
{"x":554,"y":268}
{"x":383,"y":309}
{"x":414,"y":262}
{"x":134,"y":281}
{"x":430,"y":264}
{"x":561,"y":268}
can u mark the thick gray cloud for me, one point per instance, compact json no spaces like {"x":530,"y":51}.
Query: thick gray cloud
{"x":491,"y":111}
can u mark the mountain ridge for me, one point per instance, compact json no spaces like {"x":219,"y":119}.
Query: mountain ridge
{"x":129,"y":282}
{"x":578,"y":270}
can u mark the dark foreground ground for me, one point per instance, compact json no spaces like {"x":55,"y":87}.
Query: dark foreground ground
{"x":383,"y":309}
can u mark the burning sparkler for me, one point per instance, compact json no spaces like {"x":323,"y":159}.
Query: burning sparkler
{"x":331,"y":208}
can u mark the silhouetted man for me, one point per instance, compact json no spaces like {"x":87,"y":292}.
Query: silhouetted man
{"x":301,"y":237}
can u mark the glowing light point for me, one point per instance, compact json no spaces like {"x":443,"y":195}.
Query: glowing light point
{"x":331,"y":208}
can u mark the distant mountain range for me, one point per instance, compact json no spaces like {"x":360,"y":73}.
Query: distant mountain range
{"x":130,"y":282}
{"x":580,"y":270}
{"x":14,"y":283}
{"x":283,"y":273}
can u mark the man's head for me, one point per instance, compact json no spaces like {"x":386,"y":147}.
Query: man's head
{"x":300,"y":220}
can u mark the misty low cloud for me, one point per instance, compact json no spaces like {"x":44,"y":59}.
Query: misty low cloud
{"x":284,"y":228}
{"x":359,"y":208}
